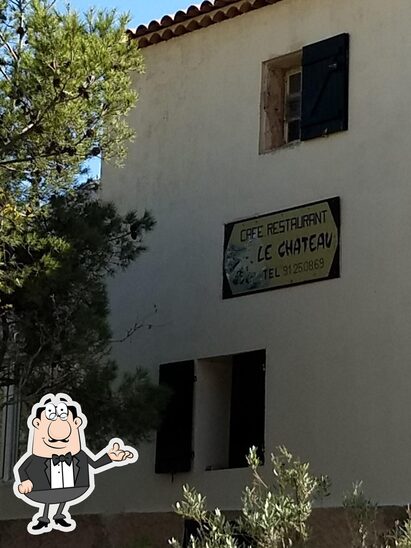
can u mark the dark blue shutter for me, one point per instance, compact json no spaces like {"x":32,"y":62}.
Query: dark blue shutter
{"x":174,"y":438}
{"x":247,"y":407}
{"x":325,"y":87}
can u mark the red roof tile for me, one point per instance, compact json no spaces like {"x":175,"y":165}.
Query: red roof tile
{"x":194,"y":17}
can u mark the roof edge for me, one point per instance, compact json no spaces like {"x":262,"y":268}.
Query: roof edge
{"x":195,"y":17}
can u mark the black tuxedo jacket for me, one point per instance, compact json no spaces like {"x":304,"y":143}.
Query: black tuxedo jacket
{"x":37,"y":470}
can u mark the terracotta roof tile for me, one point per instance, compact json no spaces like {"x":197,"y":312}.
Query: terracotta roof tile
{"x":195,"y":17}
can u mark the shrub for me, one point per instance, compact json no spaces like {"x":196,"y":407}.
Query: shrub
{"x":273,"y":515}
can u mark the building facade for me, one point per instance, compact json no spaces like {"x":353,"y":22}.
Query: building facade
{"x":273,"y":150}
{"x":268,"y":112}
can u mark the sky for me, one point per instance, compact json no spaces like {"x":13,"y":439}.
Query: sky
{"x":142,"y":11}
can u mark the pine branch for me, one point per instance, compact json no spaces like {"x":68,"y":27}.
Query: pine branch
{"x":8,"y":47}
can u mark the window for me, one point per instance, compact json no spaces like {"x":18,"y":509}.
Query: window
{"x":229,"y":410}
{"x":305,"y":94}
{"x":247,"y":407}
{"x":221,"y":419}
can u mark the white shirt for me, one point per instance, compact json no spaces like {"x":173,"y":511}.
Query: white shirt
{"x":62,"y":475}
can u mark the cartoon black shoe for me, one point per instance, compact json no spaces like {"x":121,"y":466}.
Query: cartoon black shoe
{"x":62,"y":522}
{"x":39,"y":525}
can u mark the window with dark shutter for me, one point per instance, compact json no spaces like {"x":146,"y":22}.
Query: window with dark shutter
{"x":230,"y":409}
{"x":325,"y":87}
{"x":323,"y":96}
{"x":247,"y":406}
{"x":174,"y":438}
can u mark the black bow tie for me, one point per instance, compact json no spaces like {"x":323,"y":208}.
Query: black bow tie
{"x":67,"y":458}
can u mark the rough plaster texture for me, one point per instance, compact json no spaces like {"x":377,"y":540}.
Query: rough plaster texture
{"x":338,"y":352}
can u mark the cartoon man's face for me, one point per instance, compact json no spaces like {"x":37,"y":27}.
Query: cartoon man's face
{"x":56,"y":430}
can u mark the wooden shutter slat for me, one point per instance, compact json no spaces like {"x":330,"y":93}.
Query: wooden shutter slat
{"x":325,"y":87}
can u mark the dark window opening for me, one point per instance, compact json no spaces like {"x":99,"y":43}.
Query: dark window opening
{"x":247,"y":407}
{"x":174,"y":450}
{"x":230,"y":409}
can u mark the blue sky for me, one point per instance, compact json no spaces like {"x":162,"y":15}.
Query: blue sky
{"x":142,"y":11}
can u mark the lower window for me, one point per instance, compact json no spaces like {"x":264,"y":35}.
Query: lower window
{"x":230,"y":409}
{"x":215,"y":413}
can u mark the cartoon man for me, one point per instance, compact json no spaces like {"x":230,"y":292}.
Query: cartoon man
{"x":57,"y":468}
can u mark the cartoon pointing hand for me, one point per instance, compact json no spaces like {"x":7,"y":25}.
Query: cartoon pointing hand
{"x":116,"y":454}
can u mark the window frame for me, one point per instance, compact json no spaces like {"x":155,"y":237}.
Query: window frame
{"x":324,"y":67}
{"x":273,"y":100}
{"x":287,"y":95}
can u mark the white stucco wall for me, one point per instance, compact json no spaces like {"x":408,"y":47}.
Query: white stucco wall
{"x":338,"y":380}
{"x":338,"y":375}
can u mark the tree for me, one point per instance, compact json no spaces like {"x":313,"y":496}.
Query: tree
{"x":65,"y":89}
{"x":59,"y":336}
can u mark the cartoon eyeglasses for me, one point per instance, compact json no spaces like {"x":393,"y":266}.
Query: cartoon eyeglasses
{"x":52,"y":411}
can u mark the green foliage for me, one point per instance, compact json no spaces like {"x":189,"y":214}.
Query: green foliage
{"x":361,"y":517}
{"x":20,"y":244}
{"x":65,"y":91}
{"x":214,"y":529}
{"x":276,"y":515}
{"x":65,"y":88}
{"x":401,"y":537}
{"x":55,"y":332}
{"x":273,"y":515}
{"x":130,"y":412}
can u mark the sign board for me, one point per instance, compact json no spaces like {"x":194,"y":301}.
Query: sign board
{"x":290,"y":247}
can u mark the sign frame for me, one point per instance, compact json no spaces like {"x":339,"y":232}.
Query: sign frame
{"x":334,"y":205}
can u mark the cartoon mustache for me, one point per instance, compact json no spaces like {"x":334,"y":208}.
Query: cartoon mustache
{"x":52,"y":440}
